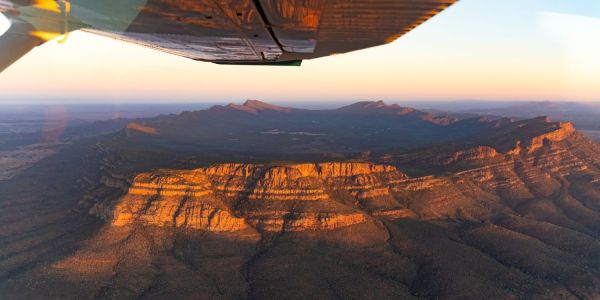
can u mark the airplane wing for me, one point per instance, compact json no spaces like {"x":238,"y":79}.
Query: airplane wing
{"x":16,"y":42}
{"x":273,"y":31}
{"x":261,"y":32}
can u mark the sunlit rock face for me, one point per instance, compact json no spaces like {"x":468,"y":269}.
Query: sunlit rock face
{"x":561,"y":131}
{"x":326,"y":196}
{"x":288,"y":197}
{"x":232,"y":197}
{"x":180,"y":199}
{"x":530,"y":135}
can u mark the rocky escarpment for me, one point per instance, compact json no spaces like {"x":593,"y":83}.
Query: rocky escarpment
{"x":508,"y":140}
{"x":530,"y":135}
{"x":306,"y":182}
{"x":470,"y":154}
{"x":325,"y":196}
{"x":561,"y":131}
{"x":233,"y":197}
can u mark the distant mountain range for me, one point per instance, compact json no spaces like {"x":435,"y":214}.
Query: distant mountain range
{"x":583,"y":115}
{"x":267,"y":130}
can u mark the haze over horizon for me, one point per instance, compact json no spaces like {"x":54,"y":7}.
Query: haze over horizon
{"x":484,"y":50}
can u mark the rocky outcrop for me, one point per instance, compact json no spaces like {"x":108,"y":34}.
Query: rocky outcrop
{"x":229,"y":197}
{"x":306,"y":182}
{"x":278,"y":221}
{"x":180,"y":212}
{"x":327,"y":221}
{"x":528,"y":136}
{"x":182,"y":199}
{"x":475,"y":153}
{"x":135,"y":127}
{"x":114,"y":181}
{"x":559,"y":132}
{"x":275,"y":183}
{"x":419,"y":184}
{"x":507,"y":137}
{"x":328,"y":196}
{"x":171,"y":183}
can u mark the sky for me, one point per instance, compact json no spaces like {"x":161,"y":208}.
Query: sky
{"x":495,"y":50}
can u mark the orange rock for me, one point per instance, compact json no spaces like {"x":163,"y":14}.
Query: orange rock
{"x":562,"y":131}
{"x":141,"y":128}
{"x":191,"y":198}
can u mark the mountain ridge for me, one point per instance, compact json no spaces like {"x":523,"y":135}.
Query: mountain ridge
{"x":510,"y":217}
{"x":309,"y":205}
{"x":254,"y":106}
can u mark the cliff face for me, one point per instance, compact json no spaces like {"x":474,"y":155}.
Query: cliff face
{"x":560,"y":132}
{"x":230,"y":197}
{"x":305,"y":182}
{"x":530,"y":135}
{"x":475,"y":153}
{"x":326,"y":196}
{"x":507,"y":140}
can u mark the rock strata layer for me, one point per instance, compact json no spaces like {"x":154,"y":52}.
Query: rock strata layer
{"x":233,"y":197}
{"x":327,"y":196}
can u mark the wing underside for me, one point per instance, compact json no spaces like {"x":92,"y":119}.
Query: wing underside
{"x":271,"y":31}
{"x":16,"y":42}
{"x":268,"y":32}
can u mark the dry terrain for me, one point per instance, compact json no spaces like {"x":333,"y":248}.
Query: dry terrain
{"x":500,"y":210}
{"x":17,"y":160}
